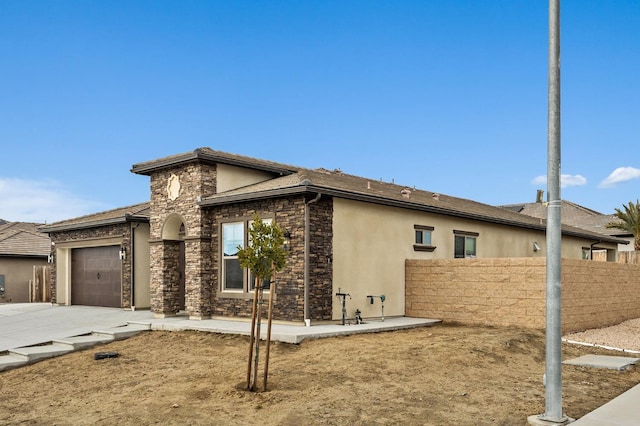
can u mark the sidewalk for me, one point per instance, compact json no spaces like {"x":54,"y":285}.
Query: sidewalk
{"x":623,"y":410}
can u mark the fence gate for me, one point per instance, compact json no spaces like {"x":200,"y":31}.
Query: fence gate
{"x":628,"y":257}
{"x":40,"y":288}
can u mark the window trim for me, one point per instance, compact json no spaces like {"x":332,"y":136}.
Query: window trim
{"x":467,"y":233}
{"x":424,"y":247}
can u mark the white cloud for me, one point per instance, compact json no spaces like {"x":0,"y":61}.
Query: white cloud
{"x":539,"y":180}
{"x":572,"y":180}
{"x":565,"y":180}
{"x":621,"y":174}
{"x":41,"y":201}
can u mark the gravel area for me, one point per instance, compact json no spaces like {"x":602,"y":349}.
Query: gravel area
{"x":624,"y":336}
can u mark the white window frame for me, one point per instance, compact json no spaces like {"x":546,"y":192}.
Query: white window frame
{"x":247,"y":279}
{"x":224,"y":257}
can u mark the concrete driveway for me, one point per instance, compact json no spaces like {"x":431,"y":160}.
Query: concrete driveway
{"x":26,"y":324}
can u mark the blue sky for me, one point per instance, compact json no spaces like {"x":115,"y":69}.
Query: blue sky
{"x":449,"y":96}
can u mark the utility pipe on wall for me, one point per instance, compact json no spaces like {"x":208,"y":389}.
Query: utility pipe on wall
{"x":591,"y":249}
{"x":307,"y":233}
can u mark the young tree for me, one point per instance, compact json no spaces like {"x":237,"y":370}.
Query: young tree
{"x":628,"y":220}
{"x":263,"y":256}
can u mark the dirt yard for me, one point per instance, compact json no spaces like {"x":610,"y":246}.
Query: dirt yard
{"x":440,"y":375}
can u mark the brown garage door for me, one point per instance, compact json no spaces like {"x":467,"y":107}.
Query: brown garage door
{"x":96,"y":276}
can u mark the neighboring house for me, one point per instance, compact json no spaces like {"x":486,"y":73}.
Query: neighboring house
{"x":22,"y":247}
{"x":347,"y":234}
{"x":580,"y":217}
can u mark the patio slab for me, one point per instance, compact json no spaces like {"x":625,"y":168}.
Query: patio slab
{"x":603,"y":361}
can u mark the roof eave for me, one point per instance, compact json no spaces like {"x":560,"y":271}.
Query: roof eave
{"x":207,"y":158}
{"x":24,"y":255}
{"x":254,"y":196}
{"x":93,"y":224}
{"x":313,"y":189}
{"x":149,"y":167}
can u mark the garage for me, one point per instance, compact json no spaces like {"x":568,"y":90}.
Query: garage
{"x":96,"y":276}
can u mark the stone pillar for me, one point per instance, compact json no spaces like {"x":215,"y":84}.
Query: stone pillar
{"x":165,"y":278}
{"x":198,"y":277}
{"x":175,"y":192}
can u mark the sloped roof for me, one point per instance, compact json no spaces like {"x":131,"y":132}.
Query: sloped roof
{"x":572,"y":214}
{"x":210,"y":156}
{"x":23,"y":239}
{"x":135,"y":213}
{"x":339,"y":184}
{"x":290,"y":179}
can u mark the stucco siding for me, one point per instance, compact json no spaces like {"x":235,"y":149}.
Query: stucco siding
{"x":141,"y":267}
{"x":17,"y":274}
{"x":372,"y":242}
{"x":232,"y":177}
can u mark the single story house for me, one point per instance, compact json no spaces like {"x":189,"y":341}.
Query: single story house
{"x":347,"y":234}
{"x":580,"y":217}
{"x":22,"y":246}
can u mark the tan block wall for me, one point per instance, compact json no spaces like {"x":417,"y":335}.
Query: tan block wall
{"x":511,"y":292}
{"x":597,"y":294}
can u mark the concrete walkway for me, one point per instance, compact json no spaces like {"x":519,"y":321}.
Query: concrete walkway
{"x":287,"y":333}
{"x":33,"y":324}
{"x":621,"y":411}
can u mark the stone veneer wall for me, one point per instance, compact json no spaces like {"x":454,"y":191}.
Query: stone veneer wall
{"x":196,"y":180}
{"x":511,"y":292}
{"x":289,"y":214}
{"x":122,"y":231}
{"x":165,"y":298}
{"x":321,"y":259}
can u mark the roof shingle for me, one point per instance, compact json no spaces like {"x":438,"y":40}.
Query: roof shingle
{"x":137,"y":212}
{"x":23,"y":239}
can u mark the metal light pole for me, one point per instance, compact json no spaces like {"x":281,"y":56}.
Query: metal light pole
{"x":553,"y":363}
{"x":553,"y":367}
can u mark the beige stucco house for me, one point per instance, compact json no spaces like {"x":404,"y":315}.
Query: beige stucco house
{"x":22,"y":247}
{"x":580,"y":217}
{"x":347,"y":234}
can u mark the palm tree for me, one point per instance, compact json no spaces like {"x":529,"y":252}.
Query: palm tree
{"x":629,"y":220}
